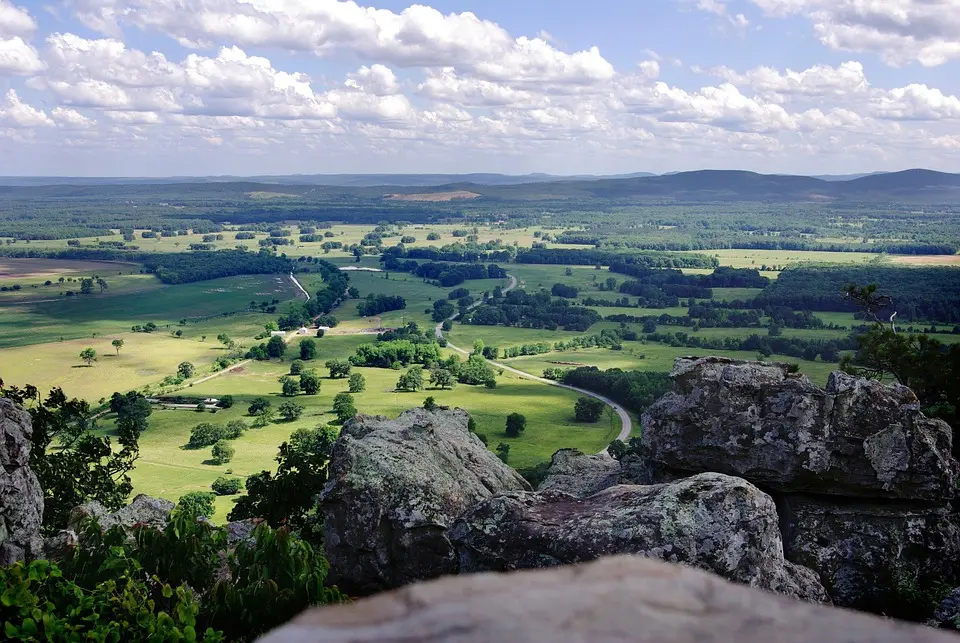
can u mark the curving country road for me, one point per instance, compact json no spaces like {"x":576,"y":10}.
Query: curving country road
{"x":626,"y":422}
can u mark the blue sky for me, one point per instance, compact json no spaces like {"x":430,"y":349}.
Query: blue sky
{"x":207,"y":87}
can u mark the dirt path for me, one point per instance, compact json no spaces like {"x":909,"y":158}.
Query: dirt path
{"x":626,"y":422}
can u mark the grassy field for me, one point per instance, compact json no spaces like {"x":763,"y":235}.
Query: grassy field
{"x":757,"y":258}
{"x":652,"y":357}
{"x":167,"y":470}
{"x":97,"y":315}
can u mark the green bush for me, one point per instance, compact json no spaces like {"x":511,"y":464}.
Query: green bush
{"x":40,"y":604}
{"x":223,"y":486}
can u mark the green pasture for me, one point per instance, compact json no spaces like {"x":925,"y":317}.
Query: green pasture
{"x":167,"y":470}
{"x":112,"y":312}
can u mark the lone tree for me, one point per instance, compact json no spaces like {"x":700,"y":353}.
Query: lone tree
{"x":86,"y":286}
{"x":339,"y":368}
{"x":412,"y":380}
{"x":344,"y":407}
{"x":185,"y":370}
{"x":290,"y":387}
{"x":117,"y":344}
{"x":89,"y":356}
{"x":276,"y":347}
{"x":310,"y":382}
{"x":430,"y":403}
{"x":443,"y":379}
{"x":258,"y":405}
{"x":290,"y":411}
{"x":358,"y":383}
{"x":222,"y":452}
{"x":588,"y":409}
{"x":101,"y":283}
{"x":516,"y":424}
{"x":308,"y":349}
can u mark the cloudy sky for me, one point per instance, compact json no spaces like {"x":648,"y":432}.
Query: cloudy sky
{"x":206,"y":87}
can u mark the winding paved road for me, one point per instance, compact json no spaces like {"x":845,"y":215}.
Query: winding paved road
{"x":626,"y":422}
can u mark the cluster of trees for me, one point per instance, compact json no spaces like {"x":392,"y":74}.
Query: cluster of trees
{"x":182,"y":268}
{"x":445,"y":274}
{"x":458,"y":252}
{"x":395,"y":353}
{"x":377,"y":304}
{"x":602,"y":257}
{"x":764,"y":345}
{"x":914,"y":293}
{"x":565,"y":291}
{"x":207,"y":434}
{"x":635,"y":390}
{"x":539,"y":310}
{"x":276,"y":348}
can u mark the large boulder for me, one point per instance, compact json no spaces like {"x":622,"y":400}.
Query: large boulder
{"x":395,"y":487}
{"x":616,"y":600}
{"x":874,"y":557}
{"x":144,"y":510}
{"x":711,"y":521}
{"x":21,"y":498}
{"x":580,"y":475}
{"x":856,"y":438}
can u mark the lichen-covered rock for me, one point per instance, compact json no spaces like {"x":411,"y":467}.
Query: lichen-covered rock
{"x":759,"y":421}
{"x":627,"y":599}
{"x":711,"y":521}
{"x":870,"y":556}
{"x":580,"y":475}
{"x":21,"y":499}
{"x":395,"y":487}
{"x":144,"y":510}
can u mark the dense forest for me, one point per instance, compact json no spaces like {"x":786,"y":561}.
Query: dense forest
{"x":918,"y":293}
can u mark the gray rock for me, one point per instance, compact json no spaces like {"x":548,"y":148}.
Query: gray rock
{"x":59,"y":546}
{"x":756,"y":420}
{"x":617,"y":600}
{"x":580,"y":475}
{"x":241,"y":531}
{"x":870,"y":556}
{"x":395,"y":487}
{"x":711,"y":521}
{"x":21,"y":499}
{"x":144,"y":510}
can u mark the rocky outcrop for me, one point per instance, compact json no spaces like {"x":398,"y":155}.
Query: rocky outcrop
{"x":947,"y":615}
{"x":856,"y":438}
{"x":395,"y":487}
{"x":580,"y":475}
{"x":616,"y":600}
{"x":870,"y":555}
{"x":862,"y":479}
{"x":711,"y":521}
{"x":21,"y":499}
{"x":144,"y":510}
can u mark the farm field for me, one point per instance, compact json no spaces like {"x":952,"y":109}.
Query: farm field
{"x":100,"y":314}
{"x":757,"y":258}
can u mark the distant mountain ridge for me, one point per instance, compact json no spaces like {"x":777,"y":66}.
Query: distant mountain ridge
{"x":918,"y":185}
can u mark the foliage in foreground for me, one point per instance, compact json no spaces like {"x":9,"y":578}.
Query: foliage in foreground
{"x":39,"y":603}
{"x":71,"y":462}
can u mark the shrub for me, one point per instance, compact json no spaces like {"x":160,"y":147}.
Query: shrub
{"x":42,"y":604}
{"x":223,"y":486}
{"x":296,"y":367}
{"x":225,"y":402}
{"x":516,"y":424}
